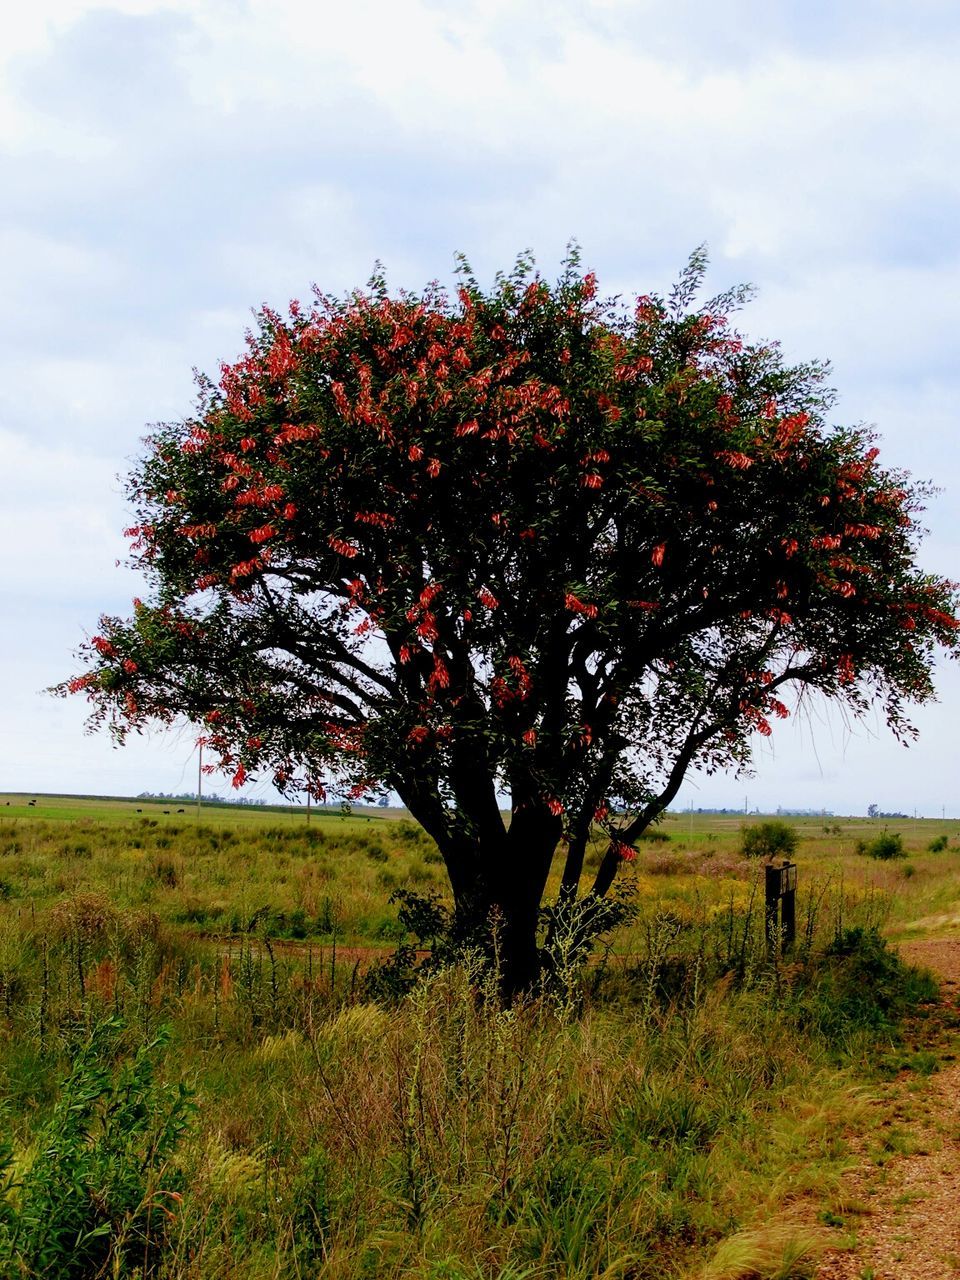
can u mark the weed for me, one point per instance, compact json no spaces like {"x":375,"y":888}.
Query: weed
{"x":97,"y":1190}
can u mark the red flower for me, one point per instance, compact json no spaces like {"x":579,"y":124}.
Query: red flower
{"x":346,"y":549}
{"x":739,"y":461}
{"x":381,"y":519}
{"x":576,"y":605}
{"x":244,"y":569}
{"x":440,"y":676}
{"x":427,"y":628}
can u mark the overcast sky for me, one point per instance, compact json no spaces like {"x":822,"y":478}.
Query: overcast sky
{"x":167,"y":166}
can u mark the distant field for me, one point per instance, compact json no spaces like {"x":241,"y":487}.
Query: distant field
{"x":118,"y":808}
{"x":332,"y":876}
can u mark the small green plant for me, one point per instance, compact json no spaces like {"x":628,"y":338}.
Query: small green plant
{"x":99,"y":1194}
{"x":769,"y":839}
{"x":862,"y":985}
{"x":937,"y":845}
{"x":885,"y":846}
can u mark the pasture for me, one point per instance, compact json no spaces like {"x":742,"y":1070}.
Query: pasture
{"x":198,"y":992}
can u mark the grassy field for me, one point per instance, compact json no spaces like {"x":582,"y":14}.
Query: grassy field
{"x":677,"y":1110}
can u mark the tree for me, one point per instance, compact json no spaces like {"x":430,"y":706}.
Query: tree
{"x":521,"y":542}
{"x":768,"y":839}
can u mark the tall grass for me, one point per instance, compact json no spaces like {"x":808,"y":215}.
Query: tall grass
{"x":669,"y":1108}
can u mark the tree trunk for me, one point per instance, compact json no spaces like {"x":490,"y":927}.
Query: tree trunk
{"x":498,"y":890}
{"x":520,"y":871}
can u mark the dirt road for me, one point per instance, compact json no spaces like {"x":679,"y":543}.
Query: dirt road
{"x":901,"y":1207}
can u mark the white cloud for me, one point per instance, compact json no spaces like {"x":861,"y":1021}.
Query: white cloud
{"x":60,"y":524}
{"x":167,"y":164}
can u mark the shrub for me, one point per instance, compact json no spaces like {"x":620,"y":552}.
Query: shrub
{"x":768,"y":840}
{"x":862,"y":985}
{"x":99,"y":1194}
{"x":885,"y":846}
{"x":938,"y":844}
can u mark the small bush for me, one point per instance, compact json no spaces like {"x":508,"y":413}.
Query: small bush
{"x":863,"y":985}
{"x":166,"y":871}
{"x":769,"y":840}
{"x":668,"y":864}
{"x":100,"y":1195}
{"x":937,"y":845}
{"x":885,"y":846}
{"x":419,"y":873}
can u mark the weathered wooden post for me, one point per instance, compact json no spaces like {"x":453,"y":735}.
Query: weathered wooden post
{"x":780,"y":898}
{"x":788,"y":905}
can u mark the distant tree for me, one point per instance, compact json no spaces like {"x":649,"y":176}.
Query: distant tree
{"x":521,"y":541}
{"x":885,"y":846}
{"x":769,"y":839}
{"x":872,"y":811}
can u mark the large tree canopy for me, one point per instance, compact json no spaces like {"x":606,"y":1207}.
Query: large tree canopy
{"x":520,"y":542}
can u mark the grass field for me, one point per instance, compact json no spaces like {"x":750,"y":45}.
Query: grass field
{"x":681,"y":1102}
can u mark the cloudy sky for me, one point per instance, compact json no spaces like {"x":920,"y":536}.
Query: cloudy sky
{"x":165,"y":165}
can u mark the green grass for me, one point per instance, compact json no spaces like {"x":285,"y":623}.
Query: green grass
{"x":672,"y":1128}
{"x":113,"y":809}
